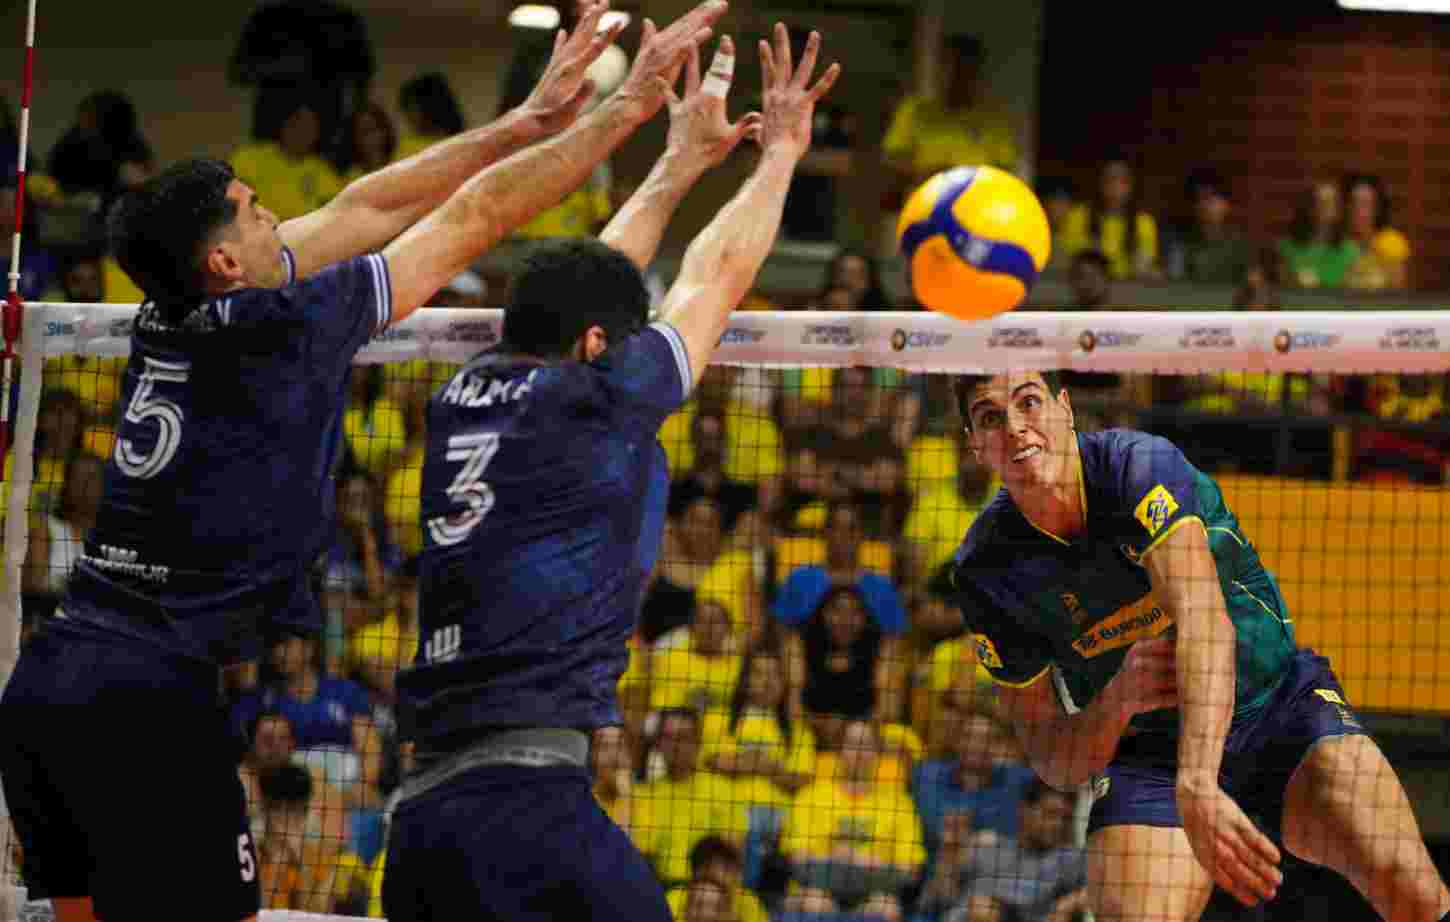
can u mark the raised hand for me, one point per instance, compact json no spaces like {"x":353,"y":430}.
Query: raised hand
{"x":1238,"y":856}
{"x":790,"y":104}
{"x":661,"y":53}
{"x":700,"y":129}
{"x":564,"y":89}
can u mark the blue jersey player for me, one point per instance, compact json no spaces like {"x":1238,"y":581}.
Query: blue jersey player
{"x":543,"y":504}
{"x":1141,"y":643}
{"x":217,"y":498}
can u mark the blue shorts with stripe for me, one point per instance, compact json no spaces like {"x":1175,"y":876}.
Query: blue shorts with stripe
{"x":515,"y":843}
{"x":1260,"y":755}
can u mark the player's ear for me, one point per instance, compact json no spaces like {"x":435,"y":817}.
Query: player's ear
{"x":595,"y":341}
{"x":221,"y":265}
{"x":1066,"y":402}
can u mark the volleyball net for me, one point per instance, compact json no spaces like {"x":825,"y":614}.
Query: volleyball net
{"x":806,"y":707}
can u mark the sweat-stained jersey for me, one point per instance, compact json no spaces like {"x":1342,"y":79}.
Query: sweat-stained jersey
{"x":1039,"y":606}
{"x":543,"y":508}
{"x":218,"y":496}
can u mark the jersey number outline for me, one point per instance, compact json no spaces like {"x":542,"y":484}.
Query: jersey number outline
{"x":475,"y":450}
{"x":245,"y":859}
{"x":148,"y":406}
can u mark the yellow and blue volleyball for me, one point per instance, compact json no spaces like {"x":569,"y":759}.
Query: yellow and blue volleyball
{"x":974,"y":240}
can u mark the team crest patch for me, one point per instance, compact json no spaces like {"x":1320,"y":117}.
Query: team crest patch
{"x":986,"y":651}
{"x":1156,"y":509}
{"x":1329,"y":695}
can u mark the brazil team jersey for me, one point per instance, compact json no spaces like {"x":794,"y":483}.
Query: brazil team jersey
{"x":543,"y":508}
{"x":218,"y":495}
{"x":1037,"y":604}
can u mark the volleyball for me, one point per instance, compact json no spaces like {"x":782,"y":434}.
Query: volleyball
{"x":974,"y":240}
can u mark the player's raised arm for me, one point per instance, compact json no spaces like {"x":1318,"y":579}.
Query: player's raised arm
{"x":722,"y":263}
{"x":508,"y":194}
{"x":701,"y":137}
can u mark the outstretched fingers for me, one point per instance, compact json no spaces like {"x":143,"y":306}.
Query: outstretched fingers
{"x":828,"y":80}
{"x":783,"y":66}
{"x":808,"y":61}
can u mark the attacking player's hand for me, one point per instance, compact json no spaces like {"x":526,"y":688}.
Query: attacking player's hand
{"x":564,"y":89}
{"x":1148,"y":678}
{"x":790,"y":100}
{"x":1238,"y":856}
{"x":700,"y":129}
{"x":662,"y":53}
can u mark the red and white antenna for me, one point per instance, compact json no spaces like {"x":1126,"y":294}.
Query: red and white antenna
{"x":14,"y":306}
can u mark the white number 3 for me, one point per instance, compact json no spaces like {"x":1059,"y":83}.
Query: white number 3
{"x":244,"y":855}
{"x":147,"y":406}
{"x":468,"y":488}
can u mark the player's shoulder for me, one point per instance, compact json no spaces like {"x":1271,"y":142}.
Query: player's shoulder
{"x":985,"y":537}
{"x":1106,"y":451}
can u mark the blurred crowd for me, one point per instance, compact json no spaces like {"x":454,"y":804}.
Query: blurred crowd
{"x":807,"y":732}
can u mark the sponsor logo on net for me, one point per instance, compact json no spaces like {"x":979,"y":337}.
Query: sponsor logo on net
{"x":1286,"y":341}
{"x":1108,"y":339}
{"x":396,"y":335}
{"x":59,"y":328}
{"x":829,"y":334}
{"x":471,"y":331}
{"x":741,"y":336}
{"x":1411,"y":339}
{"x":1208,"y":338}
{"x":902,"y":340}
{"x":1015,"y":338}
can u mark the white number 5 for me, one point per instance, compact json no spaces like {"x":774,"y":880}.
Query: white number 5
{"x":468,"y":488}
{"x":146,"y":406}
{"x":244,"y":855}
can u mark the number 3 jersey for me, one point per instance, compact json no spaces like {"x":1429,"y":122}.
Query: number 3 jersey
{"x":543,"y":508}
{"x":218,"y":496}
{"x":1039,"y":605}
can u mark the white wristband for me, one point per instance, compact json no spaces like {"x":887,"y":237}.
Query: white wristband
{"x":722,"y":71}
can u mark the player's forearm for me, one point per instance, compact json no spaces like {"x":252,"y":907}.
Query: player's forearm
{"x":638,"y":228}
{"x":728,"y":254}
{"x":1207,"y":673}
{"x":511,"y":193}
{"x":409,"y":189}
{"x":1068,"y":750}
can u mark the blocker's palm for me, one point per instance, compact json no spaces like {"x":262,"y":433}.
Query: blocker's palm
{"x":790,"y":105}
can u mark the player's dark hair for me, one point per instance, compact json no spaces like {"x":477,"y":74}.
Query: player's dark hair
{"x":286,"y":784}
{"x":563,"y":288}
{"x":432,"y":96}
{"x":713,"y":848}
{"x":157,"y":231}
{"x":963,"y":385}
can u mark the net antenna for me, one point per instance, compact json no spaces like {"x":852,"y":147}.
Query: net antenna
{"x":10,"y":323}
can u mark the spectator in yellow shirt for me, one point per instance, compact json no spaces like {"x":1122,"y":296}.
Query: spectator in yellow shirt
{"x":1384,"y":253}
{"x":700,"y":673}
{"x":960,"y":128}
{"x":668,"y":816}
{"x":716,"y":862}
{"x":372,"y":141}
{"x":430,"y":113}
{"x":851,"y":838}
{"x":1116,"y":225}
{"x":288,"y":175}
{"x":612,"y":769}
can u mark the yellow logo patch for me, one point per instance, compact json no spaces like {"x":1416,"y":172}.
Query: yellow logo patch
{"x":1331,"y":696}
{"x":1156,"y":509}
{"x":1136,"y":621}
{"x":986,"y":651}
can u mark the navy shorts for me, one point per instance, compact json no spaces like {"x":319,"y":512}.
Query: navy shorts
{"x":120,"y":773}
{"x":515,"y":843}
{"x":1261,"y":754}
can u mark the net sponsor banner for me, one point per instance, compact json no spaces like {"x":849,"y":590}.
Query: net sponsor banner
{"x":1345,"y":342}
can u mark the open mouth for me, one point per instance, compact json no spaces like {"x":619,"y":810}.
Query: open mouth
{"x":1031,"y":451}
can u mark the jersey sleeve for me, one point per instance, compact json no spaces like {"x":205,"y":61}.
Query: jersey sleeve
{"x":647,"y":376}
{"x":1155,"y":485}
{"x":1012,"y":654}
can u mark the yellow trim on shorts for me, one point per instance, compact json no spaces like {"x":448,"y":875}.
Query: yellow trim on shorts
{"x":1030,"y":682}
{"x":1170,"y":530}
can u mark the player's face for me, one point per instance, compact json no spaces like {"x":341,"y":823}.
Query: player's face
{"x":254,"y":243}
{"x":1021,"y":431}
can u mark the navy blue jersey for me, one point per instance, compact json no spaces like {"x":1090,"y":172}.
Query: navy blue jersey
{"x":218,"y":496}
{"x":543,"y":507}
{"x":1034,"y":601}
